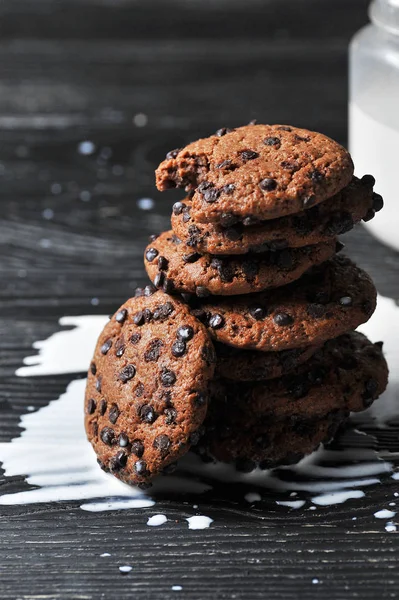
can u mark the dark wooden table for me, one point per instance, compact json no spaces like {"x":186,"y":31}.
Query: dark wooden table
{"x":89,"y":70}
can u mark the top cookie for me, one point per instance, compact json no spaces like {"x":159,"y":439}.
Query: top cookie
{"x":146,"y":394}
{"x":257,"y":171}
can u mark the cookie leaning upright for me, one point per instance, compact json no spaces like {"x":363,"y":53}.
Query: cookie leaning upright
{"x":146,"y":394}
{"x":258,"y":171}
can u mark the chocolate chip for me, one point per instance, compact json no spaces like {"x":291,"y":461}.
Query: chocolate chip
{"x":136,"y":337}
{"x":288,"y":165}
{"x":250,"y":220}
{"x":283,"y":319}
{"x":208,"y":191}
{"x":248,"y":154}
{"x":370,"y":389}
{"x":185,"y":332}
{"x":191,"y":258}
{"x":127,"y":373}
{"x":186,"y":217}
{"x":257,"y":312}
{"x":316,"y":176}
{"x":309,"y":201}
{"x":113,"y":414}
{"x":151,"y":253}
{"x":200,"y":314}
{"x":300,"y":138}
{"x":222,"y":131}
{"x":163,"y":311}
{"x":99,"y":381}
{"x":138,"y":292}
{"x":170,"y":416}
{"x":162,"y":443}
{"x":216,"y":321}
{"x":339,"y":246}
{"x":284,"y":128}
{"x":268,"y":184}
{"x":141,"y":467}
{"x":159,"y":279}
{"x":119,"y":460}
{"x":233,"y":234}
{"x":120,"y":348}
{"x":167,"y":377}
{"x":368,"y":180}
{"x":103,"y":407}
{"x":91,"y":406}
{"x":123,"y":440}
{"x":178,"y":208}
{"x":121,"y":315}
{"x":93,"y":368}
{"x":178,"y":348}
{"x":149,"y":290}
{"x":147,"y":314}
{"x":163,"y":263}
{"x":253,"y":122}
{"x":137,"y":448}
{"x":345,"y":301}
{"x":228,"y":189}
{"x":106,"y":347}
{"x":272,"y":141}
{"x":107,"y":436}
{"x":317,"y":311}
{"x":147,"y":414}
{"x":153,"y":351}
{"x":226,"y":270}
{"x":173,"y":153}
{"x":378,"y":202}
{"x":369,"y":215}
{"x":202,"y":292}
{"x":245,"y":465}
{"x":228,"y":220}
{"x":168,"y":286}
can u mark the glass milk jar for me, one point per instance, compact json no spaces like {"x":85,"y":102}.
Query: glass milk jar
{"x":374,"y":112}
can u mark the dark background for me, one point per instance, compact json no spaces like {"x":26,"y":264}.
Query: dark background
{"x":71,"y":232}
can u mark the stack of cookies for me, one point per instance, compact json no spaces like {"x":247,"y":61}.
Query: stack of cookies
{"x":243,"y":348}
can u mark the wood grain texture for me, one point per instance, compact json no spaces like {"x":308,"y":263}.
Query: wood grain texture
{"x":78,"y":70}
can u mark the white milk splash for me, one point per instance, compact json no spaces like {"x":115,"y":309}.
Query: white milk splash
{"x":54,"y":456}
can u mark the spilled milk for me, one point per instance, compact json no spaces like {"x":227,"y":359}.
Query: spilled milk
{"x":54,"y":456}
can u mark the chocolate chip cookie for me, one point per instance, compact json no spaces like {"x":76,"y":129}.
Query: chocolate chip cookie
{"x":252,"y":420}
{"x":329,"y":300}
{"x":257,"y":172}
{"x":173,"y":266}
{"x":147,"y":389}
{"x":251,"y":365}
{"x":335,"y":216}
{"x":271,"y":443}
